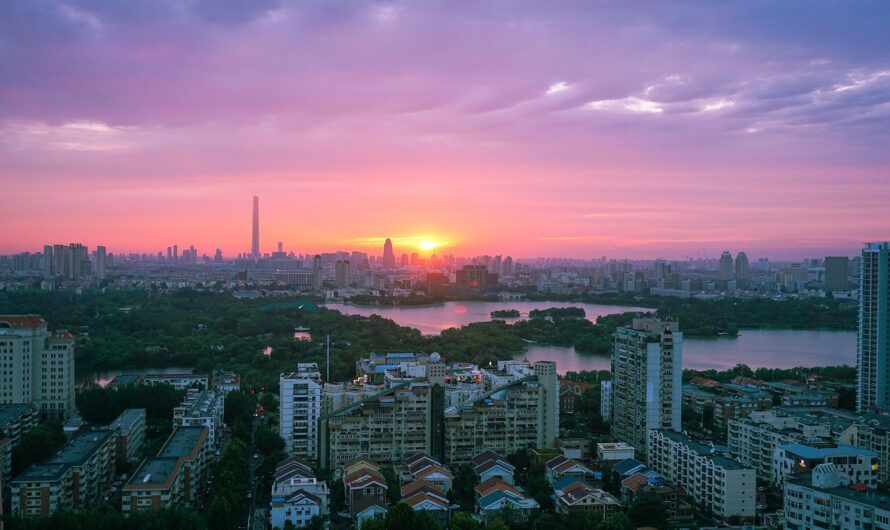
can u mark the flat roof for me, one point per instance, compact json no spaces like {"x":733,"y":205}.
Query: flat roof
{"x":11,"y":412}
{"x":182,"y":442}
{"x":703,"y":450}
{"x":810,"y":452}
{"x":872,"y":498}
{"x":74,"y":453}
{"x":155,"y":471}
{"x":127,"y":419}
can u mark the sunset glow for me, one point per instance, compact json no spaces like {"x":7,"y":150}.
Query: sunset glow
{"x":520,"y":128}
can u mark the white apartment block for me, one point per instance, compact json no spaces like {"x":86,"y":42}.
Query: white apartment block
{"x":718,"y":484}
{"x":36,"y":366}
{"x":824,"y":498}
{"x":606,"y":400}
{"x":300,"y":410}
{"x":753,"y":440}
{"x":202,"y":408}
{"x":861,"y":465}
{"x":646,"y":381}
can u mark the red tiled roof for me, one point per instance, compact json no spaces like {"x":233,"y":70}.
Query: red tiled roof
{"x":494,"y":484}
{"x":22,"y":321}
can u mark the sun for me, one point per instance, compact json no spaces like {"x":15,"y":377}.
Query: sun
{"x":426,"y":244}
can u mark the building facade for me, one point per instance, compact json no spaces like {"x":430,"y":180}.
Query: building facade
{"x":38,"y":366}
{"x":718,"y":484}
{"x":825,"y":498}
{"x":300,"y":410}
{"x":646,"y":381}
{"x":873,"y":345}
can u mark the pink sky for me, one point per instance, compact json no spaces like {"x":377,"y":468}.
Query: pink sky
{"x":520,"y":128}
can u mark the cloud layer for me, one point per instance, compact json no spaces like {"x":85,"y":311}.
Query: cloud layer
{"x":572,"y":128}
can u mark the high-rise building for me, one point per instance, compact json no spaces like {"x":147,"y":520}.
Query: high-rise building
{"x":726,"y":272}
{"x":255,"y":229}
{"x":48,"y":271}
{"x":837,"y":269}
{"x":508,"y":266}
{"x":300,"y":410}
{"x":389,"y":257}
{"x":646,"y":380}
{"x":317,"y":273}
{"x":873,"y":345}
{"x":100,"y":262}
{"x":341,"y":274}
{"x":40,"y":365}
{"x":741,"y":268}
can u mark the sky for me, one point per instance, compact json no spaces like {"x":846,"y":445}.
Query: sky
{"x":528,"y":128}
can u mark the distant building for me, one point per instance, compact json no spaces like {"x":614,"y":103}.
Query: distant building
{"x":861,"y":465}
{"x":741,"y":269}
{"x":475,"y":279}
{"x":74,"y":478}
{"x":389,"y":256}
{"x":606,"y":399}
{"x":873,"y":355}
{"x":646,"y":381}
{"x":614,"y":451}
{"x":726,"y":271}
{"x":39,"y":365}
{"x":177,"y":381}
{"x":837,"y":270}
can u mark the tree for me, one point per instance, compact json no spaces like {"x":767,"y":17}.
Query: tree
{"x":462,"y":489}
{"x":647,"y":510}
{"x":37,"y":445}
{"x":219,"y":515}
{"x":464,"y":521}
{"x":400,"y":517}
{"x":497,"y":524}
{"x":269,"y":402}
{"x":618,"y":521}
{"x":267,"y":441}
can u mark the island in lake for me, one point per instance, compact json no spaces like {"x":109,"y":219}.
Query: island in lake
{"x":505,"y":313}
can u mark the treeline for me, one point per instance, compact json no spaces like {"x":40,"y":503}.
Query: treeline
{"x":842,"y":374}
{"x":558,"y":312}
{"x":100,"y":406}
{"x":106,"y":518}
{"x":228,"y":497}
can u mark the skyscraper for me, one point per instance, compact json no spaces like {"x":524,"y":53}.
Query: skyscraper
{"x":836,"y":273}
{"x":100,"y":262}
{"x":389,"y":257}
{"x":647,"y":366}
{"x":726,"y":272}
{"x":873,"y":344}
{"x":255,"y":233}
{"x":741,"y":268}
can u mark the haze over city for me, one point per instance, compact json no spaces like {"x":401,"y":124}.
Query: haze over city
{"x":521,"y":128}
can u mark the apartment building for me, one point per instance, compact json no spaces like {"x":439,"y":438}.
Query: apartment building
{"x":721,"y":486}
{"x":130,"y":433}
{"x":646,"y":381}
{"x":386,"y":427}
{"x":826,"y":498}
{"x":872,"y":432}
{"x":300,"y":410}
{"x":74,"y":478}
{"x":177,"y":476}
{"x":297,"y":495}
{"x":202,"y":408}
{"x":36,"y":366}
{"x":753,"y":440}
{"x":861,"y":465}
{"x":16,"y":419}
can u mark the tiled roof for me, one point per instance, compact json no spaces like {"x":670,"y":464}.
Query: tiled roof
{"x":22,"y":321}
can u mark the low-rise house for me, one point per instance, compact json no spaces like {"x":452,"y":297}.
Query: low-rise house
{"x":363,"y":482}
{"x":614,"y":451}
{"x":492,"y":505}
{"x":74,"y":478}
{"x":226,"y":382}
{"x":672,"y":497}
{"x":420,"y":466}
{"x":368,"y":508}
{"x":293,"y":475}
{"x":570,"y":393}
{"x":428,"y":497}
{"x":582,"y":497}
{"x":560,"y":466}
{"x":489,"y":464}
{"x":299,"y":507}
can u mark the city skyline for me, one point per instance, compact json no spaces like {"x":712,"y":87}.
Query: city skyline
{"x":576,"y":132}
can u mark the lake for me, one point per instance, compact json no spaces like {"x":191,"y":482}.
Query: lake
{"x":431,"y":320}
{"x":754,"y":347}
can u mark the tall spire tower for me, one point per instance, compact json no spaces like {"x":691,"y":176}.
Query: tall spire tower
{"x":255,"y":237}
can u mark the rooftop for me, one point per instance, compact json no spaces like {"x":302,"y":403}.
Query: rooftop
{"x":815,"y":453}
{"x":183,"y":441}
{"x":21,"y":321}
{"x":12,"y":412}
{"x":153,"y":472}
{"x":871,"y":498}
{"x":127,"y":419}
{"x":703,"y":450}
{"x":75,"y":453}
